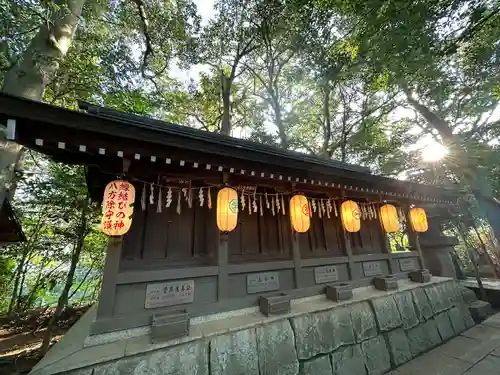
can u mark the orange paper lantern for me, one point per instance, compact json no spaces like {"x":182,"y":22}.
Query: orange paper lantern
{"x":117,"y":208}
{"x":389,"y":218}
{"x":299,"y":213}
{"x":227,"y":209}
{"x":418,"y":220}
{"x":350,"y":214}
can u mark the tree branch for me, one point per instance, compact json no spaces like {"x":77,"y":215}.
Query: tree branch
{"x":145,"y":29}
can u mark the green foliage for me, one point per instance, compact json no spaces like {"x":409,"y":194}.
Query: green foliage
{"x":50,"y":202}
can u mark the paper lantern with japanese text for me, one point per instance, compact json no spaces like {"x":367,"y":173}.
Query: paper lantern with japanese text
{"x":227,"y":209}
{"x":389,"y":218}
{"x":350,"y":215}
{"x":418,"y":219}
{"x":299,"y":213}
{"x":117,"y":208}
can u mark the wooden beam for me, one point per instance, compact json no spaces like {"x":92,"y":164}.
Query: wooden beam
{"x":222,"y":263}
{"x":110,"y":276}
{"x":413,"y":239}
{"x":297,"y":266}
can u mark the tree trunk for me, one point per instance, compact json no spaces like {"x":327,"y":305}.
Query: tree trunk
{"x":28,"y":78}
{"x":327,"y":130}
{"x":281,"y":128}
{"x":21,"y":285}
{"x":19,"y":272}
{"x":63,"y":298}
{"x":39,"y":63}
{"x":226,"y":105}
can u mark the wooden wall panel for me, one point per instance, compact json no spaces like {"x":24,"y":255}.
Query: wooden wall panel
{"x":323,"y":239}
{"x":368,"y":240}
{"x":170,"y":236}
{"x":133,"y":240}
{"x":269,"y":233}
{"x":244,"y":240}
{"x":260,"y":237}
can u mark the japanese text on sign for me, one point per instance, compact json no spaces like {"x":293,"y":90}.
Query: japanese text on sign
{"x":262,"y":282}
{"x":372,"y":268}
{"x":168,"y":294}
{"x":117,"y":208}
{"x":325,"y":274}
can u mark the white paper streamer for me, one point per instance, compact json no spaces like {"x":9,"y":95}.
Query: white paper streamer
{"x":242,"y":199}
{"x":254,"y":203}
{"x":267,"y":200}
{"x":260,"y":206}
{"x":151,"y":195}
{"x":190,"y":198}
{"x":282,"y":206}
{"x":209,"y":196}
{"x":143,"y":198}
{"x":313,"y":204}
{"x":158,"y":206}
{"x":278,"y":206}
{"x":178,"y":209}
{"x":272,"y":205}
{"x":169,"y":198}
{"x":201,"y":197}
{"x":335,"y":208}
{"x":329,"y":207}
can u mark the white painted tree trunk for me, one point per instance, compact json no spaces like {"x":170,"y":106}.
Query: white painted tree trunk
{"x":33,"y":72}
{"x":39,"y":63}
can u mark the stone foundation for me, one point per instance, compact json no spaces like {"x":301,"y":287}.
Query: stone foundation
{"x":369,"y":335}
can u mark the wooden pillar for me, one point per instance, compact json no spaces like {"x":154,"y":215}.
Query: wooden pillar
{"x":387,"y":246}
{"x":385,"y":241}
{"x":297,"y":266}
{"x":347,"y":245}
{"x":414,"y":240}
{"x":222,"y":262}
{"x":110,"y":273}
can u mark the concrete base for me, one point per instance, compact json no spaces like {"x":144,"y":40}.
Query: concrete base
{"x":369,"y":334}
{"x":480,"y":310}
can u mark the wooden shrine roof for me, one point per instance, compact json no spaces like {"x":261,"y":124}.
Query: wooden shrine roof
{"x":101,"y":137}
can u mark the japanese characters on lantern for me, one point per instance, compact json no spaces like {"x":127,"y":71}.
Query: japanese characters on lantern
{"x":299,"y":213}
{"x":117,"y":208}
{"x":227,"y":209}
{"x":351,"y":216}
{"x":418,"y":219}
{"x":389,"y":218}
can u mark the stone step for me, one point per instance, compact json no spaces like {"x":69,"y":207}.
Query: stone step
{"x":480,"y":310}
{"x":468,"y":295}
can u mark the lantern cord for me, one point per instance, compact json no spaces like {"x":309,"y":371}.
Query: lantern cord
{"x":279,"y":195}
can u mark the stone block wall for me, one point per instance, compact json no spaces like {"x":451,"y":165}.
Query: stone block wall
{"x":367,"y":337}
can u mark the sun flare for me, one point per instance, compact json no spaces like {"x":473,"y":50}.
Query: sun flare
{"x":434,"y":152}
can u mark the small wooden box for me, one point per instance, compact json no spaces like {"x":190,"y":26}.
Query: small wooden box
{"x":275,"y":305}
{"x":420,"y":276}
{"x":169,"y":326}
{"x":341,"y":292}
{"x":385,"y":283}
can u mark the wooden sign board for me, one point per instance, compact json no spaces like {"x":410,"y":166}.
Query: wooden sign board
{"x":263,"y":282}
{"x":325,"y":274}
{"x":372,"y":268}
{"x":408,"y":264}
{"x":169,"y":294}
